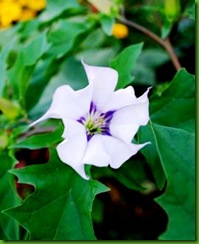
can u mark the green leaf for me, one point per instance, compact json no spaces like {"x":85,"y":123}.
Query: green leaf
{"x":8,"y":36}
{"x":72,"y":73}
{"x":171,"y":9}
{"x":107,"y":23}
{"x":9,"y":229}
{"x":166,"y":28}
{"x":176,"y":105}
{"x":4,"y":140}
{"x":21,"y":72}
{"x":132,"y":174}
{"x":63,"y":36}
{"x":9,"y":109}
{"x":28,"y":29}
{"x":4,"y":53}
{"x":147,"y":63}
{"x":171,"y":12}
{"x":171,"y":153}
{"x":127,"y":58}
{"x":150,"y":152}
{"x":98,"y":56}
{"x":55,"y":8}
{"x":44,"y":71}
{"x":60,"y":208}
{"x":40,"y":140}
{"x":176,"y":151}
{"x":190,"y":11}
{"x":98,"y":35}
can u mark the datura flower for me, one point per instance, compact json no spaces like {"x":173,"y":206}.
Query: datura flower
{"x":99,"y":123}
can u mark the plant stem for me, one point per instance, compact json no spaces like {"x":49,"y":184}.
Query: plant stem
{"x":169,"y":48}
{"x":165,"y":43}
{"x":37,"y":131}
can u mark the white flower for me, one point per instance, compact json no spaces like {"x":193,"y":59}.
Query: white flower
{"x":100,"y":123}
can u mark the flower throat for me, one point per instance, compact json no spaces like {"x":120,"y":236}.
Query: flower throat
{"x":96,"y":122}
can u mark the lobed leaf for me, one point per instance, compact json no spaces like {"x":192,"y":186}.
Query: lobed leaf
{"x":172,"y":151}
{"x":9,"y":228}
{"x":177,"y":153}
{"x":60,"y":208}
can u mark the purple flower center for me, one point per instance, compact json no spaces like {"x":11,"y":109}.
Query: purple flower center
{"x":96,"y":122}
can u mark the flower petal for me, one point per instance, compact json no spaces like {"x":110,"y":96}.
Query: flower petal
{"x":120,"y":98}
{"x":119,"y":151}
{"x":124,"y":132}
{"x":96,"y":153}
{"x":144,"y":96}
{"x":72,"y":149}
{"x":126,"y":121}
{"x":68,"y":103}
{"x":104,"y":81}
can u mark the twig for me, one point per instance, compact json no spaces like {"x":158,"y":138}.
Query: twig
{"x":36,"y":131}
{"x":165,"y":43}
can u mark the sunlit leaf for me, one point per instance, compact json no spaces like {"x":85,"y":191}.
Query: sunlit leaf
{"x":9,"y":109}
